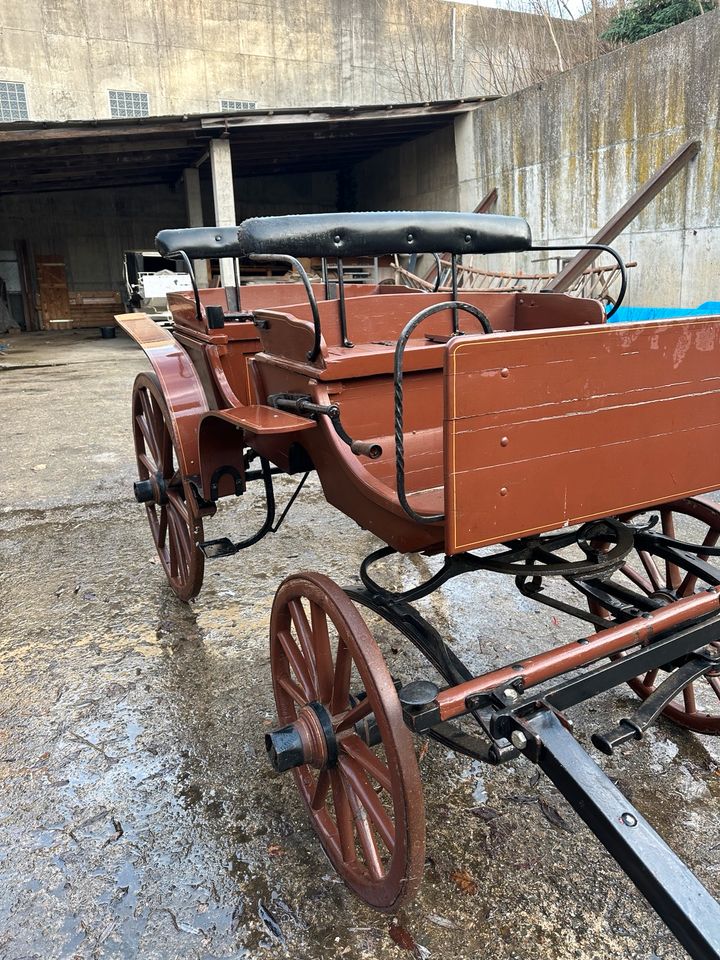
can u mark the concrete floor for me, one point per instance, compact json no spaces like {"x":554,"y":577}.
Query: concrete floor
{"x":139,"y":817}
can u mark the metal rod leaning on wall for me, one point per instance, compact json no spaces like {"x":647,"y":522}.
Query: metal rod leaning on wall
{"x":626,"y":214}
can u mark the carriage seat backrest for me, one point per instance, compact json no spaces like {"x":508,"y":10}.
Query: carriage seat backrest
{"x":352,"y":234}
{"x":375,"y":233}
{"x":377,"y":321}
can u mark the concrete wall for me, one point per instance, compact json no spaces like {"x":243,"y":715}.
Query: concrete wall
{"x":92,"y":228}
{"x":420,"y":175}
{"x":189,"y":54}
{"x":267,"y":196}
{"x":568,"y":152}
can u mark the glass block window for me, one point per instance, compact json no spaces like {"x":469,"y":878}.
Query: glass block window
{"x":238,"y":104}
{"x":13,"y":104}
{"x":125,"y":103}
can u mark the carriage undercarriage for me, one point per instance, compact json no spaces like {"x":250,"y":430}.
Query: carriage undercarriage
{"x":646,"y":580}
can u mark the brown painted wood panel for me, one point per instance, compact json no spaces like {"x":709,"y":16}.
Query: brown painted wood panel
{"x":52,"y":289}
{"x":548,"y":429}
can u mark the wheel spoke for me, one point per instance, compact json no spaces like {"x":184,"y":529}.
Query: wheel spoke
{"x":146,"y":404}
{"x":323,"y":656}
{"x":173,"y":543}
{"x":369,"y":799}
{"x":367,"y":841}
{"x":689,"y":699}
{"x":370,"y":762}
{"x":147,"y":435}
{"x":714,"y":685}
{"x":165,"y":446}
{"x":341,"y":680}
{"x":673,"y":576}
{"x":297,"y":662}
{"x":148,"y":464}
{"x":162,"y":528}
{"x":158,"y":432}
{"x":358,"y":712}
{"x":304,"y":635}
{"x":650,"y":678}
{"x":636,"y":578}
{"x":293,"y":690}
{"x":317,"y":801}
{"x":651,"y":569}
{"x":184,"y":542}
{"x":180,"y":506}
{"x":343,"y":817}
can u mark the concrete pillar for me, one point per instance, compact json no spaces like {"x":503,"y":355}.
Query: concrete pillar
{"x":193,"y":207}
{"x":469,"y":189}
{"x":224,"y":198}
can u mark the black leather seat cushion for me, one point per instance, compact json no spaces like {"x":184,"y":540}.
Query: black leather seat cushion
{"x":353,"y":234}
{"x":371,"y":234}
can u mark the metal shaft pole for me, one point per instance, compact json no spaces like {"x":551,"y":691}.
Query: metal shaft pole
{"x":672,"y":890}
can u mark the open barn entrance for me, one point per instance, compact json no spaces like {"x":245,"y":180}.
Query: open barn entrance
{"x":76,"y":199}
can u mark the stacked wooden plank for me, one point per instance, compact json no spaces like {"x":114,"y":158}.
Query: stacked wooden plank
{"x":94,"y":308}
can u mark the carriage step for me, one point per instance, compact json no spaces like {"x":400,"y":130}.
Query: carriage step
{"x":214,"y":549}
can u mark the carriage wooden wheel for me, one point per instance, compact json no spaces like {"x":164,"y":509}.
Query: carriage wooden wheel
{"x":172,"y":510}
{"x":698,"y":707}
{"x":351,"y":754}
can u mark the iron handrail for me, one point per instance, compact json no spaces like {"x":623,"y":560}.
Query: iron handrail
{"x":613,"y":253}
{"x":298,"y":267}
{"x":455,"y":306}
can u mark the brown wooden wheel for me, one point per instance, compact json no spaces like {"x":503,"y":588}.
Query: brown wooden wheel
{"x":695,"y":520}
{"x":357,"y":772}
{"x":171,"y":506}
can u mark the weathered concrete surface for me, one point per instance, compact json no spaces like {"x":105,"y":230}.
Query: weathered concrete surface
{"x":138,"y":816}
{"x":189,"y":56}
{"x":567,"y":154}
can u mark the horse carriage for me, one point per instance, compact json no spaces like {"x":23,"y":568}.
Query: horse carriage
{"x":506,"y":432}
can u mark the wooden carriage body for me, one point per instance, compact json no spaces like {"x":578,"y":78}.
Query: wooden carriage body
{"x":449,"y":425}
{"x":552,"y":419}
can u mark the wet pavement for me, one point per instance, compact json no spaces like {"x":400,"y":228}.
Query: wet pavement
{"x":139,"y":817}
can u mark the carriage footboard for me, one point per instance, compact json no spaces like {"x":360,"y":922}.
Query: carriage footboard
{"x":550,"y":428}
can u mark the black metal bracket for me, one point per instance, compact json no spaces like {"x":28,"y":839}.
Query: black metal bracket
{"x":196,"y":293}
{"x":531,"y":557}
{"x":224,"y":547}
{"x":414,"y":627}
{"x":633,"y":728}
{"x":342,"y":312}
{"x":227,"y":470}
{"x":671,"y":889}
{"x":669,"y":651}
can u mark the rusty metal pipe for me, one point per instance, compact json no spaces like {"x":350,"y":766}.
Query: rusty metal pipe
{"x":580,"y":653}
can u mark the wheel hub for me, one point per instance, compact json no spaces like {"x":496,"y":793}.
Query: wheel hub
{"x":152,"y":490}
{"x":308,"y":740}
{"x":667,"y":596}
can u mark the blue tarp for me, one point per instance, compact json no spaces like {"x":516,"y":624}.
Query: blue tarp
{"x":625,"y":314}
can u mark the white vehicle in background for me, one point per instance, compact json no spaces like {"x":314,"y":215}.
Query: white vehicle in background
{"x":149,"y":277}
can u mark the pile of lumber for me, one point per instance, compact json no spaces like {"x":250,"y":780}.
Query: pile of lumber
{"x":94,"y":308}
